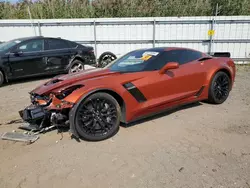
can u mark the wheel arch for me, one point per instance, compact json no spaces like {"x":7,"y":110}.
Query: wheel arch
{"x":114,"y":94}
{"x":225,"y":70}
{"x":77,"y":57}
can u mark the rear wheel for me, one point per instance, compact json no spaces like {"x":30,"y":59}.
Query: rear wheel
{"x":98,"y":117}
{"x":1,"y":78}
{"x":219,"y":88}
{"x":76,"y":66}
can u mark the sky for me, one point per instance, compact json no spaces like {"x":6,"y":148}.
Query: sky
{"x":12,"y":1}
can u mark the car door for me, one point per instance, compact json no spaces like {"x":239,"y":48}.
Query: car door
{"x":175,"y":84}
{"x":27,"y":58}
{"x":186,"y":80}
{"x":58,"y":54}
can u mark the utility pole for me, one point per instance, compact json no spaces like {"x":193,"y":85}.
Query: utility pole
{"x":31,"y":20}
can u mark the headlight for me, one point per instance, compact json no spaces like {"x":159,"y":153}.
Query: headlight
{"x":64,"y":93}
{"x":34,"y":97}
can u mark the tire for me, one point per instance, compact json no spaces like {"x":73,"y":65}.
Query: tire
{"x":97,"y":117}
{"x":76,"y":66}
{"x":219,"y":88}
{"x":106,"y":58}
{"x":1,"y":78}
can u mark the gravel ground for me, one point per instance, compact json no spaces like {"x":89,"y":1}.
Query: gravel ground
{"x":199,"y":145}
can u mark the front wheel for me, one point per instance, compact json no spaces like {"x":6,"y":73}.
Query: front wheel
{"x":219,"y":88}
{"x":97,"y":117}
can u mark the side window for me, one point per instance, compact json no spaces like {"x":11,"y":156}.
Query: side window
{"x":180,"y":56}
{"x":56,"y":44}
{"x":166,"y":57}
{"x":190,"y":55}
{"x":31,"y":46}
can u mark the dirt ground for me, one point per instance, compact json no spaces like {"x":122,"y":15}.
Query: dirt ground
{"x":196,"y":146}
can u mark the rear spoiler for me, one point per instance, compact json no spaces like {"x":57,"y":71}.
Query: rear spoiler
{"x":221,"y":54}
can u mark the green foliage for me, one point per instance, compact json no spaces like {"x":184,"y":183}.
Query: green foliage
{"x":48,"y":9}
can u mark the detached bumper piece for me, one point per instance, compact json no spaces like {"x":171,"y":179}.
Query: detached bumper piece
{"x":20,"y":137}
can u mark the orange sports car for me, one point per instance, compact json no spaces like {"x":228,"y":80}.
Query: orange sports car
{"x":143,"y":82}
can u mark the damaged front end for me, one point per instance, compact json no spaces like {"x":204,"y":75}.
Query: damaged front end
{"x":48,"y":110}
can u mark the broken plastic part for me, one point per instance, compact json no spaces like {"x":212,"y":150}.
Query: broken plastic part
{"x":20,"y":137}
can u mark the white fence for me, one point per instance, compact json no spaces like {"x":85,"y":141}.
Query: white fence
{"x":120,"y":35}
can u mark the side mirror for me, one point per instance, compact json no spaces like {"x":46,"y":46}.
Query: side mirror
{"x":168,"y":66}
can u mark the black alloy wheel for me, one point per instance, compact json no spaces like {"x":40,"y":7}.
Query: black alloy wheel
{"x":219,"y":88}
{"x":98,"y":117}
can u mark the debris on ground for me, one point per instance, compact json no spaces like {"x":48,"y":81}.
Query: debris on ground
{"x":14,"y":121}
{"x":20,"y":137}
{"x":29,"y":127}
{"x":243,"y":154}
{"x":29,"y":136}
{"x":181,"y":169}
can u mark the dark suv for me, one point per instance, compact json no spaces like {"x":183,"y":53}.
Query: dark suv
{"x":33,"y":56}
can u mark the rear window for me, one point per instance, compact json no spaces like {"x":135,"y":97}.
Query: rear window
{"x":72,"y":44}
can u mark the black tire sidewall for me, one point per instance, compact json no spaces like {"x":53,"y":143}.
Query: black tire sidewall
{"x":211,"y":96}
{"x":103,"y":55}
{"x":1,"y":78}
{"x":115,"y":127}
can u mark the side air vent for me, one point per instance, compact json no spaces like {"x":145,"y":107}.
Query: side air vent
{"x":200,"y":91}
{"x":135,"y":92}
{"x":205,"y":58}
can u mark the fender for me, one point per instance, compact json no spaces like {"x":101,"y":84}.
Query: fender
{"x":224,"y":67}
{"x":82,"y":98}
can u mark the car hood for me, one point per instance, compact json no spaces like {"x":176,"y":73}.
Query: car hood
{"x":68,"y":79}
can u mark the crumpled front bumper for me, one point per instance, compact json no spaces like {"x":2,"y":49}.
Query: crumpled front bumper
{"x":44,"y":113}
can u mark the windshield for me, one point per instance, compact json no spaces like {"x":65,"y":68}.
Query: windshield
{"x":8,"y":45}
{"x":134,"y":61}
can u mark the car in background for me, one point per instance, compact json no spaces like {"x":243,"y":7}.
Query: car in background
{"x":36,"y":56}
